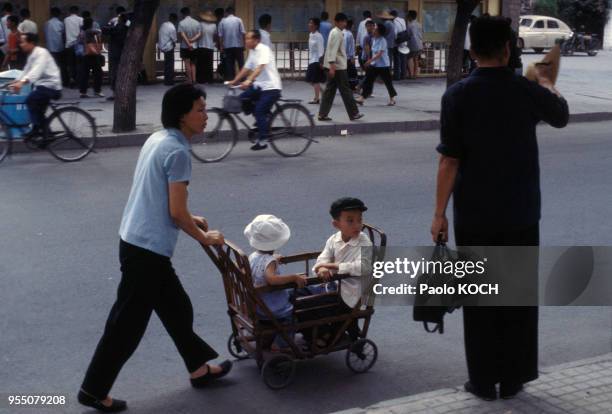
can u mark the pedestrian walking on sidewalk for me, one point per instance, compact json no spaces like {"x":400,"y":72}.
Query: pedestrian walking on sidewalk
{"x":489,"y":162}
{"x":337,"y":78}
{"x":316,"y":50}
{"x":156,"y":209}
{"x":378,"y":65}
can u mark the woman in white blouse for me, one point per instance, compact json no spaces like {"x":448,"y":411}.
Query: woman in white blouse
{"x":316,"y":49}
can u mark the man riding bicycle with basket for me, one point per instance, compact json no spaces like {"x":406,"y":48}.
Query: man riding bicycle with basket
{"x":262,"y":85}
{"x":42,"y":72}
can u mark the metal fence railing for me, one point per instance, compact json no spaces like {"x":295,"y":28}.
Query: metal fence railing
{"x":292,"y":60}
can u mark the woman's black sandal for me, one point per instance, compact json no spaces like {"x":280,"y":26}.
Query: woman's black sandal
{"x":207,"y":378}
{"x":91,"y":401}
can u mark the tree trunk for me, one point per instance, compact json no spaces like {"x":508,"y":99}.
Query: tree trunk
{"x":455,"y":53}
{"x":124,"y":118}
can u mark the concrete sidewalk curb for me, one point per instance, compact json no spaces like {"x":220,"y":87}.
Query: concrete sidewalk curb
{"x":535,"y":395}
{"x":323,"y":130}
{"x":136,"y":139}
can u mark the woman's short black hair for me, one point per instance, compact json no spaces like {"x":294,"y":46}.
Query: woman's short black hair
{"x":177,"y":102}
{"x":382,"y":29}
{"x":489,"y":36}
{"x":87,"y":23}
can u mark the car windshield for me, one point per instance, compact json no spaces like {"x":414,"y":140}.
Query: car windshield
{"x":526,"y":22}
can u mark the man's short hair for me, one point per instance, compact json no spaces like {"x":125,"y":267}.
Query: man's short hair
{"x":412,"y":14}
{"x":367,"y":14}
{"x":340,"y":17}
{"x":230,"y":10}
{"x":25,"y":13}
{"x":382,"y":29}
{"x":265,"y":20}
{"x":372,"y":22}
{"x":120,"y":9}
{"x":56,"y":12}
{"x":73,"y":9}
{"x":185,"y":11}
{"x":393,"y":13}
{"x":14,"y":19}
{"x":8,"y":7}
{"x":177,"y":102}
{"x":346,"y":204}
{"x":172,"y":17}
{"x":31,"y":38}
{"x":316,"y":21}
{"x":87,"y":23}
{"x":86,"y":14}
{"x":255,"y":33}
{"x":489,"y":36}
{"x":324,"y":15}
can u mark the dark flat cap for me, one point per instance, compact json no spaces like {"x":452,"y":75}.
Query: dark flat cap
{"x":346,"y":204}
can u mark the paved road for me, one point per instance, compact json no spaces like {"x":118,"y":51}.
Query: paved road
{"x":59,"y":270}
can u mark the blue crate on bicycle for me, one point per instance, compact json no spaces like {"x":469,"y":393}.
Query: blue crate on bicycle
{"x":14,"y":110}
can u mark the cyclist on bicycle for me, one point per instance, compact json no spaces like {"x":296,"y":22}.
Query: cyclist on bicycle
{"x":41,"y":71}
{"x":262,"y":85}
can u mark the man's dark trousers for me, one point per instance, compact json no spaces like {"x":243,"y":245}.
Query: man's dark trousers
{"x":399,"y":64}
{"x":37,"y":103}
{"x":233,"y":55}
{"x":169,"y":67}
{"x":148,"y":283}
{"x":60,"y":61}
{"x":501,"y":343}
{"x":339,"y":81}
{"x":259,"y":103}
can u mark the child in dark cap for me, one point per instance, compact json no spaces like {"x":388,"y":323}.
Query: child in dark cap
{"x":342,"y":252}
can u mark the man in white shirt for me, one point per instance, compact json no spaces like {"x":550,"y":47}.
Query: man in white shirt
{"x":54,"y":35}
{"x":26,"y":25}
{"x":118,"y":11}
{"x":42,"y":72}
{"x":265,"y":24}
{"x":231,"y":42}
{"x":361,"y":30}
{"x":72,"y":25}
{"x":263,"y":85}
{"x":399,"y":59}
{"x":167,"y":43}
{"x":188,"y":31}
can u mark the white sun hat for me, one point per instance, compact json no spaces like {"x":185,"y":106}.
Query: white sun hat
{"x":403,"y":49}
{"x":267,"y":232}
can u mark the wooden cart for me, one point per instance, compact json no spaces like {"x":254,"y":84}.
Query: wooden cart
{"x":251,"y":333}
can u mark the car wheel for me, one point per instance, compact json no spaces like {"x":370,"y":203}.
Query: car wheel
{"x":520,"y":44}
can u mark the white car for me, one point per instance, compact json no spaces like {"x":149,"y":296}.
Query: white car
{"x":541,"y":32}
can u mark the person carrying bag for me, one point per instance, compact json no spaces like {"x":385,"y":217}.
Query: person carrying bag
{"x":92,"y":60}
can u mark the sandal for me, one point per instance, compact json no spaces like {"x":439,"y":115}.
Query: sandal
{"x":207,"y":378}
{"x":360,"y":100}
{"x":391,"y":102}
{"x":315,"y":102}
{"x":324,"y":118}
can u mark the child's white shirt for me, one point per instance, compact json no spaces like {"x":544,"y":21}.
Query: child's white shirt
{"x":348,"y":256}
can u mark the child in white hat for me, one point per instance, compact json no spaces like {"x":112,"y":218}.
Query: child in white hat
{"x":267,"y":233}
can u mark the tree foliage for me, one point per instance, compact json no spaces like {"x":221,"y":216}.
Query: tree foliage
{"x":546,"y":8}
{"x":592,"y":14}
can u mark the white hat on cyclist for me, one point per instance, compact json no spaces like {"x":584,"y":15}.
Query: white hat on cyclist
{"x":267,"y":233}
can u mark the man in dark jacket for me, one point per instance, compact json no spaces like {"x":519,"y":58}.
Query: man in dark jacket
{"x":116,"y":40}
{"x":489,"y":162}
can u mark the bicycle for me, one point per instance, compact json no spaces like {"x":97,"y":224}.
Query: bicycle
{"x":69,"y":133}
{"x":291,"y":131}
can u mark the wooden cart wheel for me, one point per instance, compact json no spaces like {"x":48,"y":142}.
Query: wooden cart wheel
{"x":361,"y":355}
{"x":235,"y":349}
{"x":278,"y":372}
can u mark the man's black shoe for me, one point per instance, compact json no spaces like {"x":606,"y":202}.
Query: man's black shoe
{"x":202,"y":381}
{"x":487,"y":393}
{"x":509,"y":391}
{"x":258,"y":146}
{"x":89,"y":401}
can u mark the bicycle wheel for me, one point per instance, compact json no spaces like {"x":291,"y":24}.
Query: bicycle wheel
{"x":217,"y":140}
{"x":5,"y":141}
{"x":291,"y":130}
{"x":70,"y":134}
